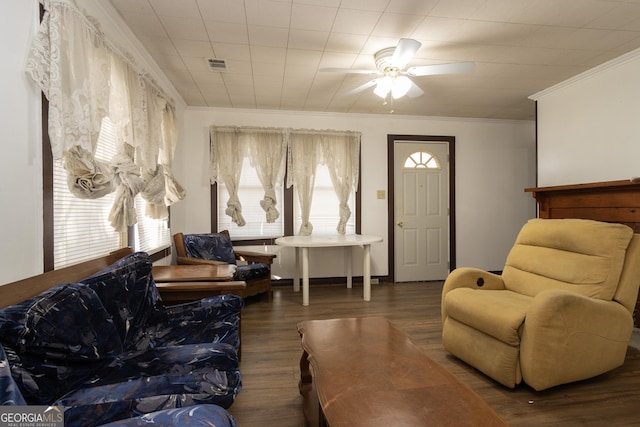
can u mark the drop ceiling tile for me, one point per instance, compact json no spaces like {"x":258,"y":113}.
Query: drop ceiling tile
{"x":413,"y":7}
{"x":353,"y":21}
{"x":173,"y":62}
{"x":230,"y":11}
{"x":395,"y":25}
{"x":268,"y":69}
{"x":341,"y":42}
{"x":181,"y":9}
{"x":232,"y":51}
{"x":438,"y":28}
{"x":303,"y":57}
{"x":207,"y":78}
{"x":316,"y":18}
{"x":375,"y":5}
{"x":268,"y":13}
{"x":185,"y":28}
{"x":268,"y":54}
{"x":158,"y":45}
{"x":197,"y":48}
{"x":227,"y":32}
{"x":307,"y":40}
{"x":137,"y":6}
{"x":337,"y":59}
{"x":196,"y":63}
{"x":461,"y":9}
{"x":145,"y":24}
{"x":268,"y":36}
{"x":238,"y":68}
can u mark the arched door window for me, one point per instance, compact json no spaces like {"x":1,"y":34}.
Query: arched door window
{"x":421,"y":160}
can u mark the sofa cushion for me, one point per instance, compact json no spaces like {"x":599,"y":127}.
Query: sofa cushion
{"x":156,"y":379}
{"x":216,"y":247}
{"x":129,"y":294}
{"x":199,"y":415}
{"x":56,"y":340}
{"x":499,"y":314}
{"x":9,"y":391}
{"x":572,"y":254}
{"x":250,"y":272}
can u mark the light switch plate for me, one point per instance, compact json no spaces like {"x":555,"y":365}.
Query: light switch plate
{"x":380,"y":194}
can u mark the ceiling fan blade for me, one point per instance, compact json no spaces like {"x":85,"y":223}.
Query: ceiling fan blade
{"x":414,"y":91}
{"x":453,"y":68}
{"x":347,"y":71}
{"x":362,"y":87}
{"x":405,"y":50}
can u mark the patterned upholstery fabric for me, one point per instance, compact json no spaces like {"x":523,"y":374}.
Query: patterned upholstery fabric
{"x":200,"y":415}
{"x":218,"y":247}
{"x":9,"y":391}
{"x":107,"y":349}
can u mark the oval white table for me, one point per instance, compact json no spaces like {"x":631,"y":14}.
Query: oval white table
{"x":303,"y":243}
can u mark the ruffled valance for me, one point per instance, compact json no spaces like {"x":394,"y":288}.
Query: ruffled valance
{"x":86,"y":81}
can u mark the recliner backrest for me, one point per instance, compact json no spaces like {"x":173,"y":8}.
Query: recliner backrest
{"x":580,"y":255}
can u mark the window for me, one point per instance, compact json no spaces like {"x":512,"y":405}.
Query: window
{"x":250,"y":192}
{"x":248,"y":174}
{"x":81,"y":229}
{"x":325,"y":207}
{"x":421,"y":160}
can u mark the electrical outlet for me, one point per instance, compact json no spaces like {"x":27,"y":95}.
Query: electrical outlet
{"x":375,"y":281}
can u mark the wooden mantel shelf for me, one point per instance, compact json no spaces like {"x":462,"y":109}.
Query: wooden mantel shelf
{"x":611,"y":201}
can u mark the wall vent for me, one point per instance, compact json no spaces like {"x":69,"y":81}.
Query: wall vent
{"x":216,"y":64}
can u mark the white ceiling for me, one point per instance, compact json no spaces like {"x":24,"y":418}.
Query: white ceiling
{"x":274,"y":49}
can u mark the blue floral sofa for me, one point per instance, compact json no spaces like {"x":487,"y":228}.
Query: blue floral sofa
{"x":108,"y":351}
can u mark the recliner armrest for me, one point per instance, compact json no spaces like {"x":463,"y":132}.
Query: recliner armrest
{"x":469,"y":277}
{"x":583,"y":337}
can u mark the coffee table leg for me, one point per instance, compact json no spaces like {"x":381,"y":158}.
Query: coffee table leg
{"x":366,"y":273}
{"x":305,"y":374}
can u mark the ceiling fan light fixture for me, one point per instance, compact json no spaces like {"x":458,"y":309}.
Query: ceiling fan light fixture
{"x":384,"y":86}
{"x":400,"y":86}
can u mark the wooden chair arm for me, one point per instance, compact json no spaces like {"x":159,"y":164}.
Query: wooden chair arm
{"x":253,"y":257}
{"x":195,"y":261}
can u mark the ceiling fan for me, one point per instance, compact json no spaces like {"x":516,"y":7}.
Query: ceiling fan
{"x":393,"y":78}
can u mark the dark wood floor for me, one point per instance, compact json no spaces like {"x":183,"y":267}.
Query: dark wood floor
{"x":271,"y":354}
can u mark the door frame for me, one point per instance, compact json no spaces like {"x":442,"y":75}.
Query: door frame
{"x":391,"y":229}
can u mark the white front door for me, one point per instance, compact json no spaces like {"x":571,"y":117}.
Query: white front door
{"x":421,"y":205}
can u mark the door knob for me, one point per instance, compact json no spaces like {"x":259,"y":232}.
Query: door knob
{"x":400,"y":224}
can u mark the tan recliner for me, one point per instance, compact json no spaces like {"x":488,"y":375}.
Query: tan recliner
{"x":560,"y":312}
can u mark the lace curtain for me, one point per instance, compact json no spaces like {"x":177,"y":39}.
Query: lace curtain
{"x":340,"y":152}
{"x":227,"y":155}
{"x":269,"y":149}
{"x":86,"y":80}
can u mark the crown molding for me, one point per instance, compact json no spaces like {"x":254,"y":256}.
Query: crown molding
{"x":634,"y":55}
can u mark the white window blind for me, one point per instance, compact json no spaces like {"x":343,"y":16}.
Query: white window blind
{"x":250,"y":193}
{"x":150,"y":233}
{"x":325,"y":207}
{"x":81,"y":228}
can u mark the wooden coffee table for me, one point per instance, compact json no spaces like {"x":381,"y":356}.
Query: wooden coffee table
{"x":368,"y":373}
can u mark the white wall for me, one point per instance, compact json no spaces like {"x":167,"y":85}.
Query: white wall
{"x":21,"y":252}
{"x":588,"y":126}
{"x":495,"y":161}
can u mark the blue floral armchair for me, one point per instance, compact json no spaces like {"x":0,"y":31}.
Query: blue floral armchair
{"x":217,"y":248}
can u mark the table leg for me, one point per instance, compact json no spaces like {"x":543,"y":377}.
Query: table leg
{"x":366,"y":273}
{"x":296,"y":273}
{"x":348,"y":251}
{"x":305,"y":276}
